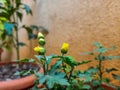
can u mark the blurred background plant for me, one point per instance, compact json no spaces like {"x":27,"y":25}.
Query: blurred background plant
{"x":99,"y":54}
{"x":11,"y":16}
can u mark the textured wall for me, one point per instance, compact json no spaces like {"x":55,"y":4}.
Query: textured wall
{"x":80,"y":23}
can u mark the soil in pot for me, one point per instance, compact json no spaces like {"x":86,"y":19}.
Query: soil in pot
{"x":15,"y":71}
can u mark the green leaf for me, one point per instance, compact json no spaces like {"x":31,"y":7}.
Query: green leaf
{"x":42,"y":78}
{"x":97,"y":44}
{"x":55,"y":80}
{"x":86,"y":76}
{"x":100,"y":50}
{"x":21,"y":44}
{"x":82,"y":62}
{"x":55,"y":67}
{"x":39,"y":57}
{"x":111,"y":69}
{"x":116,"y":77}
{"x":48,"y":59}
{"x":1,"y":26}
{"x":27,"y":60}
{"x":86,"y":87}
{"x":100,"y":88}
{"x":92,"y":70}
{"x":112,"y":57}
{"x":9,"y":27}
{"x":20,"y":15}
{"x":69,"y":60}
{"x":106,"y":80}
{"x":27,"y":9}
{"x":51,"y":80}
{"x":29,"y":30}
{"x":96,"y":83}
{"x":17,"y":73}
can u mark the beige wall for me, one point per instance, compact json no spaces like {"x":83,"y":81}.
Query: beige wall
{"x":78,"y":22}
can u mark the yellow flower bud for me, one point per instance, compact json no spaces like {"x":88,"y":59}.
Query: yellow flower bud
{"x":64,"y":48}
{"x":40,"y":50}
{"x":40,"y":35}
{"x":41,"y":41}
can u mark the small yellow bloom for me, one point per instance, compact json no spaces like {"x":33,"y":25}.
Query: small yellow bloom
{"x":40,"y":50}
{"x":40,"y":35}
{"x":64,"y":48}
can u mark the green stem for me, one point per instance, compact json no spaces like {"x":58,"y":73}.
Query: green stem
{"x":45,"y":65}
{"x":15,"y":19}
{"x":100,"y":67}
{"x":17,"y":46}
{"x":71,"y":71}
{"x":63,"y":65}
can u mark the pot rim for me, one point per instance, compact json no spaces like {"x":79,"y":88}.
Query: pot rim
{"x":19,"y":83}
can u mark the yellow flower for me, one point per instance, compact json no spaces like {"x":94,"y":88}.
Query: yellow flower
{"x":40,"y":35}
{"x":40,"y":50}
{"x":64,"y":48}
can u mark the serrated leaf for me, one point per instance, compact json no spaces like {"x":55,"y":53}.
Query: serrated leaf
{"x":55,"y":80}
{"x":116,"y":77}
{"x":52,"y":80}
{"x":63,"y":82}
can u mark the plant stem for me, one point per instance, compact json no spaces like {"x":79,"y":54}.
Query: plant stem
{"x":17,"y":46}
{"x":15,"y":19}
{"x":70,"y":74}
{"x":63,"y":65}
{"x":45,"y":65}
{"x":100,"y":66}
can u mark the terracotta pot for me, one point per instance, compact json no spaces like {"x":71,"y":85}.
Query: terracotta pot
{"x":18,"y":84}
{"x":106,"y":87}
{"x":1,"y":50}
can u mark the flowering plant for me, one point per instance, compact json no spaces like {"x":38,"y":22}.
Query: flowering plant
{"x":62,"y":74}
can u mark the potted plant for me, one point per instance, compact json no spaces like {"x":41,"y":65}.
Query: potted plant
{"x":62,"y":75}
{"x":11,"y":14}
{"x":5,"y":39}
